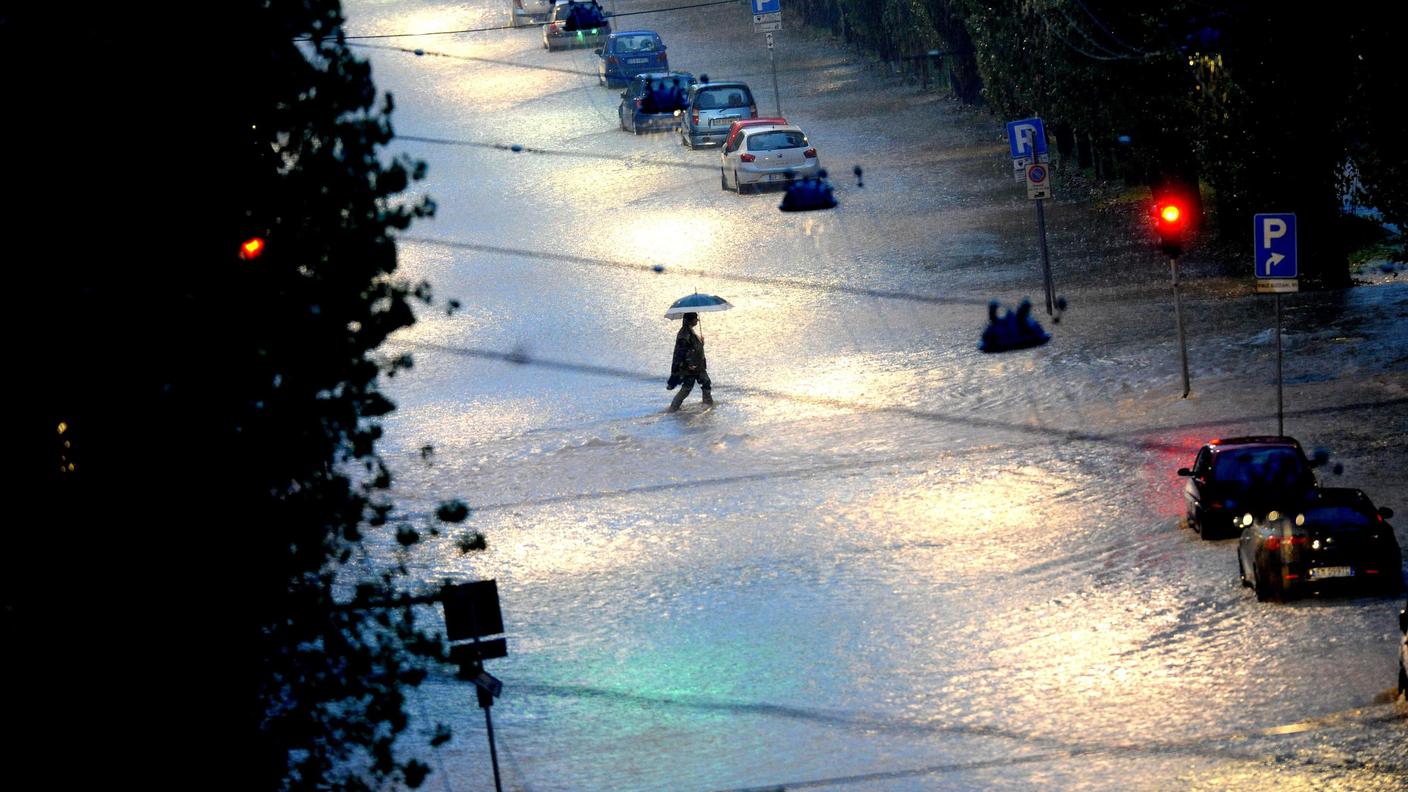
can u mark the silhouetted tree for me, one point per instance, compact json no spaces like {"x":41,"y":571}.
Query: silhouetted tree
{"x":199,"y":429}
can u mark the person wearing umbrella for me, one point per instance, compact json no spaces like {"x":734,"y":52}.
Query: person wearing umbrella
{"x":689,"y":365}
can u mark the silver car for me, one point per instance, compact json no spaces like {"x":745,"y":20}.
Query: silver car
{"x":712,"y":109}
{"x":522,"y":13}
{"x":766,"y":154}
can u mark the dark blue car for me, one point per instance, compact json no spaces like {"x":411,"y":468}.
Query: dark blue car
{"x":626,"y":54}
{"x":655,"y":101}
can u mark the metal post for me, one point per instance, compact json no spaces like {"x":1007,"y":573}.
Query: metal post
{"x":486,"y":700}
{"x":1178,"y":314}
{"x":1045,"y":259}
{"x":1280,"y":414}
{"x":776,"y":97}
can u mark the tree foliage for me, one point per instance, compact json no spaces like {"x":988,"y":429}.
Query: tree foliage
{"x":1271,"y":107}
{"x":201,"y":429}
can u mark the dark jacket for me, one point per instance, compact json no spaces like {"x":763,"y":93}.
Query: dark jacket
{"x":689,"y":354}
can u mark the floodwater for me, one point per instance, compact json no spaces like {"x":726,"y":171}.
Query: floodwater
{"x":884,"y":560}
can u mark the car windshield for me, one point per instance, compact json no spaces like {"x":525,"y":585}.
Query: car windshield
{"x":1335,"y":519}
{"x":1247,"y":468}
{"x":776,"y":139}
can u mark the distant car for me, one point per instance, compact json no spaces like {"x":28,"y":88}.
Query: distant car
{"x":1331,"y":538}
{"x":624,"y":55}
{"x":529,"y":12}
{"x":1238,"y":475}
{"x":650,"y":103}
{"x":1403,"y":652}
{"x":713,"y":107}
{"x":575,"y":24}
{"x":747,"y":122}
{"x":766,"y":154}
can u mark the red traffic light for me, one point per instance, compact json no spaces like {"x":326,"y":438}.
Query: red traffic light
{"x":252,"y":248}
{"x":1173,"y":221}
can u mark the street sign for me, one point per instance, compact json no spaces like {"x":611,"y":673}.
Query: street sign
{"x":489,"y":682}
{"x":1274,"y":246}
{"x":765,"y":27}
{"x":1277,"y":285}
{"x":1038,"y":177}
{"x":1026,"y":137}
{"x":1019,"y":166}
{"x":766,"y":6}
{"x":472,"y":610}
{"x":769,"y":41}
{"x":775,"y":16}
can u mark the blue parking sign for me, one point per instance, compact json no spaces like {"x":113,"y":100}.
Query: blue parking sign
{"x":767,"y":6}
{"x":1274,"y":246}
{"x":1026,"y":137}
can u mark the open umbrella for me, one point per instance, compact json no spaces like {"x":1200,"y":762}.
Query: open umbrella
{"x":697,"y":303}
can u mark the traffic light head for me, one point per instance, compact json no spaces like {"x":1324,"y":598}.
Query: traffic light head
{"x":252,"y":248}
{"x":1174,"y":222}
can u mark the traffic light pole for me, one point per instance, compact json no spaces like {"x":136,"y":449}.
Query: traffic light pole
{"x":1280,"y":414}
{"x":1178,"y":315}
{"x":1045,"y":257}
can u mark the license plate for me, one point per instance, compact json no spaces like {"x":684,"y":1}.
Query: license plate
{"x":1332,"y":572}
{"x":723,"y":121}
{"x":778,"y":177}
{"x":636,"y":60}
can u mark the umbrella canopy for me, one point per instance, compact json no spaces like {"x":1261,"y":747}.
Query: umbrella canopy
{"x":697,"y":303}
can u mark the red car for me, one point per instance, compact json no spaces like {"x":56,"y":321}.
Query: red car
{"x":747,"y":122}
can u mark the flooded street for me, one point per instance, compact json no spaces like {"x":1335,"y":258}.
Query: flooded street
{"x":884,"y":560}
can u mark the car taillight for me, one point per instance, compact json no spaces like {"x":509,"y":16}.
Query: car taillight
{"x":1274,"y":542}
{"x":613,"y":60}
{"x":695,"y":117}
{"x":640,"y":103}
{"x":809,"y":153}
{"x":660,"y":57}
{"x":752,"y":111}
{"x":518,"y":4}
{"x":747,"y":157}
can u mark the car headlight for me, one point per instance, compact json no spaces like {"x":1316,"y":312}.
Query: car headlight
{"x":1246,"y":519}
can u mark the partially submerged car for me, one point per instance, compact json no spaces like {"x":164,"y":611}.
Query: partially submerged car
{"x":1237,"y":475}
{"x":575,"y":24}
{"x":626,"y":54}
{"x":652,"y":102}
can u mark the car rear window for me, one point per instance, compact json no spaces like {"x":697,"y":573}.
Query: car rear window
{"x":776,"y":139}
{"x":1335,"y":519}
{"x":712,"y":98}
{"x":1260,"y":467}
{"x":636,"y":44}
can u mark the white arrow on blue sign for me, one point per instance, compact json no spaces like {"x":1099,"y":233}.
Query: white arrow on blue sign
{"x":766,"y":6}
{"x":1275,"y":246}
{"x":1023,"y":136}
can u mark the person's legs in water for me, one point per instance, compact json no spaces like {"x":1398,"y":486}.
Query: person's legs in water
{"x":706,"y":388}
{"x":686,"y":385}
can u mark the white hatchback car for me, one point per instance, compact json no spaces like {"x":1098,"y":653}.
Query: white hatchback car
{"x":766,"y":154}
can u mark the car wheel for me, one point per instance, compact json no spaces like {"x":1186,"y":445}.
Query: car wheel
{"x":738,"y":185}
{"x":723,"y":180}
{"x":1242,"y":572}
{"x":621,"y":118}
{"x":1402,"y":680}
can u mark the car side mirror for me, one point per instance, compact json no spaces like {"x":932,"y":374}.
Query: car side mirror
{"x":1184,"y":472}
{"x":1386,"y":512}
{"x":598,"y":50}
{"x":1403,"y":620}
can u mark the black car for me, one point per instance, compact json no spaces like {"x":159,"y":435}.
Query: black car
{"x":1238,"y":475}
{"x":1332,"y":538}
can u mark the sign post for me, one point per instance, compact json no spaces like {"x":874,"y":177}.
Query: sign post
{"x":767,"y":17}
{"x":1027,"y":141}
{"x":1277,"y":270}
{"x":472,"y":612}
